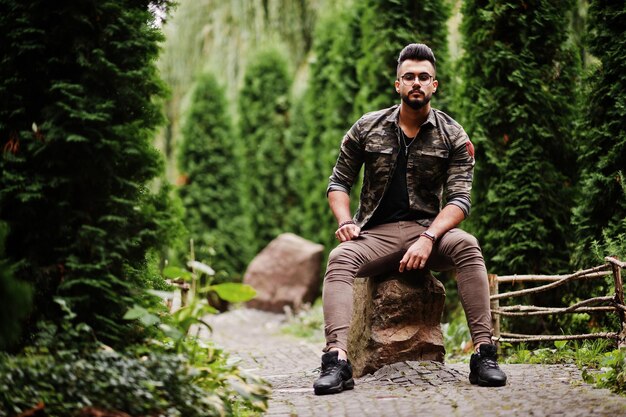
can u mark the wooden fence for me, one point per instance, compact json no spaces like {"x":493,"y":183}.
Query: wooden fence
{"x":609,"y":303}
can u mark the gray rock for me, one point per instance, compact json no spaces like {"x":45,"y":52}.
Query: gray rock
{"x":285,"y":273}
{"x":396,"y":318}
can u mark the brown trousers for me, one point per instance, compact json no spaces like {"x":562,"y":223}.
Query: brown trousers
{"x":454,"y":250}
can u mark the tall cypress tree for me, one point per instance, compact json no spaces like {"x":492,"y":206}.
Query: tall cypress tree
{"x":76,"y":124}
{"x":600,"y":216}
{"x":266,"y":149}
{"x":211,"y":189}
{"x":387,"y":26}
{"x":519,"y":81}
{"x":327,"y":115}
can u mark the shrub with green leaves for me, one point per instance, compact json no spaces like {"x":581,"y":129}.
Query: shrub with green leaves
{"x":211,"y":191}
{"x":519,"y":78}
{"x":153,"y":384}
{"x":173,"y":374}
{"x":266,"y":152}
{"x":600,"y":216}
{"x":326,"y":115}
{"x":80,"y":105}
{"x":612,"y":373}
{"x":585,"y":354}
{"x":15,"y":299}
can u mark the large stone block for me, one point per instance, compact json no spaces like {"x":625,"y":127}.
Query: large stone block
{"x":285,"y":273}
{"x":396,"y":317}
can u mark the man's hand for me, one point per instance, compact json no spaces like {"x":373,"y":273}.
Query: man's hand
{"x":417,"y":255}
{"x":348,"y":232}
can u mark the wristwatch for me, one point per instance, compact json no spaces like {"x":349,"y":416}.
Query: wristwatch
{"x":429,"y":235}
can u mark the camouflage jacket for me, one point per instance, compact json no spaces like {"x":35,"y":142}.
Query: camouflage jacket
{"x":440,"y":163}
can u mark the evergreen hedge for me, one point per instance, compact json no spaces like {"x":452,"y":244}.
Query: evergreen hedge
{"x":600,"y":216}
{"x":327,"y":114}
{"x":211,"y":183}
{"x":15,"y":299}
{"x":519,"y":75}
{"x":387,"y":26}
{"x":77,"y":118}
{"x":266,"y":149}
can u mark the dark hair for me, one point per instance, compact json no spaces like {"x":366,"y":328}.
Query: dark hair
{"x":417,"y":52}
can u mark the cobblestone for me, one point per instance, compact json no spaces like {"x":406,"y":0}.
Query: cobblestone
{"x":404,"y":389}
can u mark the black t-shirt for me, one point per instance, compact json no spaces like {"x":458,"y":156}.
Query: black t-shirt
{"x":394,"y":206}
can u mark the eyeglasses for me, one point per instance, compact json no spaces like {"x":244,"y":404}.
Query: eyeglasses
{"x":423,"y":78}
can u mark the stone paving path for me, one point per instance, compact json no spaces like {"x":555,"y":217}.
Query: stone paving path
{"x":408,"y":389}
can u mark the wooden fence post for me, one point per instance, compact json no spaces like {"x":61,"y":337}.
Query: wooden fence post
{"x":619,"y":297}
{"x":495,"y":304}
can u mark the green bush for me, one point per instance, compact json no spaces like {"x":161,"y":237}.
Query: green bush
{"x":328,"y":105}
{"x":600,"y":214}
{"x":266,"y":149}
{"x":519,"y":78}
{"x":15,"y":299}
{"x":105,"y":379}
{"x":456,"y":337}
{"x":211,"y":191}
{"x":612,"y":374}
{"x":586,"y":355}
{"x":80,"y":105}
{"x":173,"y":374}
{"x":153,"y":384}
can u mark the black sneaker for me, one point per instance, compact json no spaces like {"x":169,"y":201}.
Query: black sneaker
{"x":336,"y":375}
{"x":484,"y":369}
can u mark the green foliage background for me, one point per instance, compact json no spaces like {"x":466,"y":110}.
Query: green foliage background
{"x":600,"y":212}
{"x":325,"y":113}
{"x":15,"y":299}
{"x":519,"y":91}
{"x":79,"y":89}
{"x":267,"y":151}
{"x":267,"y":88}
{"x":211,"y":186}
{"x":355,"y":54}
{"x":385,"y":28}
{"x":511,"y":72}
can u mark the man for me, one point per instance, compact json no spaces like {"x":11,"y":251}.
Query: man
{"x":416,"y":158}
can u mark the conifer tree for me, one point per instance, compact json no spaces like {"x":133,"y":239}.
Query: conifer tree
{"x":266,"y":149}
{"x":519,"y":82}
{"x":327,"y":115}
{"x":600,"y":216}
{"x":211,"y":189}
{"x":388,"y":26}
{"x":77,"y":83}
{"x":15,"y":299}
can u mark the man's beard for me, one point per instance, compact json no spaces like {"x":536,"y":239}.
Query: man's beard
{"x":418,"y":103}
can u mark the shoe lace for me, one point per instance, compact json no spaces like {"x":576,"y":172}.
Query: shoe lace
{"x":329,"y":370}
{"x":490,"y":363}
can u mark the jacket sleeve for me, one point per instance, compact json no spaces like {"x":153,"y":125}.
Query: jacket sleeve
{"x":349,"y":162}
{"x":460,"y":173}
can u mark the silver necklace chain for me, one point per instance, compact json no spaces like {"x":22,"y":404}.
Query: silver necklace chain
{"x":404,"y":142}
